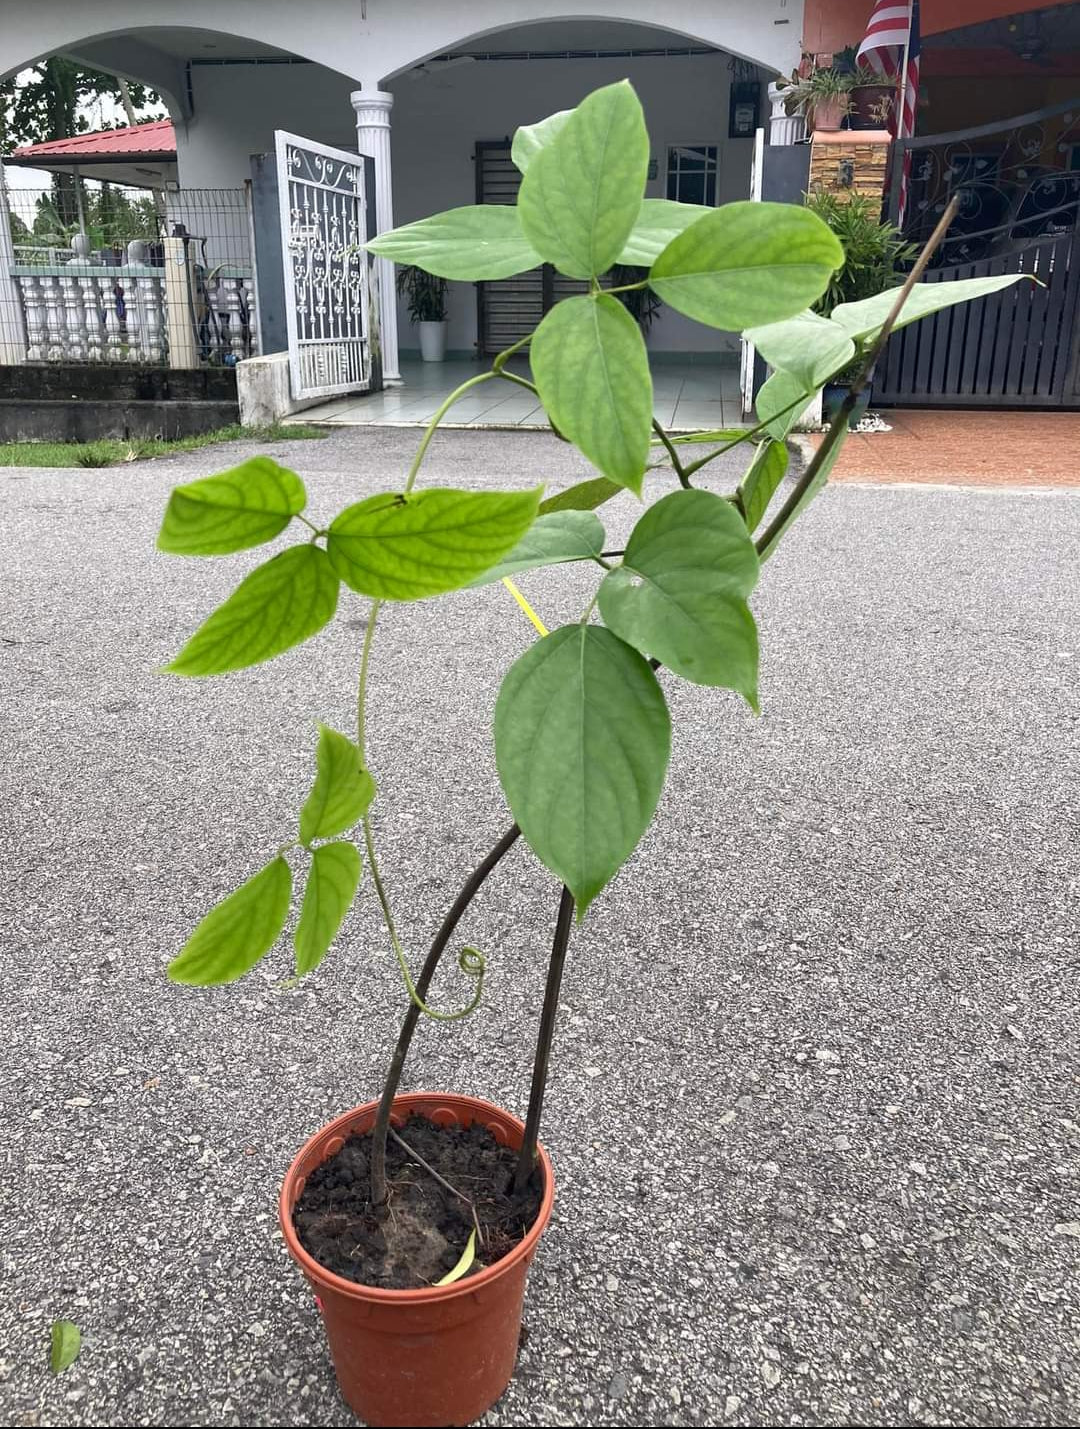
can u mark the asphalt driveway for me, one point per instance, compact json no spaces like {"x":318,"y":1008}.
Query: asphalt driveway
{"x":815,"y":1112}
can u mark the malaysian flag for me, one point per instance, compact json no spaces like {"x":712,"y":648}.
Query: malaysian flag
{"x":893,"y":31}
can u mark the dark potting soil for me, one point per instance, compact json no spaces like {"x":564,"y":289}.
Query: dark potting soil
{"x":427,"y":1228}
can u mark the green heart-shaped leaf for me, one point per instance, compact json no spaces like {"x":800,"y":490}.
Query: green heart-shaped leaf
{"x":810,"y":347}
{"x":408,"y":547}
{"x":332,"y":882}
{"x":582,"y":738}
{"x":658,"y":222}
{"x":781,"y":403}
{"x":243,"y":507}
{"x":864,"y":320}
{"x":589,"y":362}
{"x":481,"y":242}
{"x":551,"y":540}
{"x":343,"y":788}
{"x":236,"y":933}
{"x":582,"y":496}
{"x":281,"y":603}
{"x":680,"y":593}
{"x":763,"y":476}
{"x":582,"y":190}
{"x":747,"y":264}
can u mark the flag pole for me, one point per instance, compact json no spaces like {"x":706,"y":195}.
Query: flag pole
{"x":902,"y":95}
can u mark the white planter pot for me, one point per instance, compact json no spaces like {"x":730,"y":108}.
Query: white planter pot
{"x":432,"y":341}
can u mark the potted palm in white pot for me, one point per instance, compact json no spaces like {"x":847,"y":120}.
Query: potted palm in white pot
{"x":425,"y":296}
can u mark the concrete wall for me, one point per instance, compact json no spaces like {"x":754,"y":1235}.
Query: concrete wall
{"x":437,"y":121}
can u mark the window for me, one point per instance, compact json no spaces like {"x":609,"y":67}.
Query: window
{"x":691,"y":173}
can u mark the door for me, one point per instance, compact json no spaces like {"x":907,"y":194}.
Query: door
{"x":323,"y":207}
{"x":511,"y":308}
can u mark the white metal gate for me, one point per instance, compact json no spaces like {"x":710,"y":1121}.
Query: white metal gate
{"x":323,"y":223}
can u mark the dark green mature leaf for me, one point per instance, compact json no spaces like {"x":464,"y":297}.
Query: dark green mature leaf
{"x":763,"y":476}
{"x":582,"y":190}
{"x":589,"y":362}
{"x":551,"y":540}
{"x":408,"y":547}
{"x":865,"y":319}
{"x":482,"y":241}
{"x":529,"y":139}
{"x":659,"y":221}
{"x":781,"y":402}
{"x":746,"y":264}
{"x":243,"y":507}
{"x":281,"y":603}
{"x":811,"y":348}
{"x":583,"y":496}
{"x":235,"y":934}
{"x":582,"y":738}
{"x":332,"y":882}
{"x":343,"y":788}
{"x":66,"y":1341}
{"x":680,"y":593}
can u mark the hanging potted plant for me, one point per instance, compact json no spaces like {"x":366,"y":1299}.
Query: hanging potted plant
{"x":414,"y":1217}
{"x":425,"y":296}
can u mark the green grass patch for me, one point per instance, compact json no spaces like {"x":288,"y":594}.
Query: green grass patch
{"x":117,"y":451}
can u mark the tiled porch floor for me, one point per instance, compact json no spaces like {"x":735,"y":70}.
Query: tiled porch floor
{"x":687,"y":396}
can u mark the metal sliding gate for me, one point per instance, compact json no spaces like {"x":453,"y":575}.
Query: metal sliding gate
{"x":328,"y":282}
{"x":1020,"y":213}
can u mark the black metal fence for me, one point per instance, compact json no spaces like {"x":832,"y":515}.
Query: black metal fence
{"x":163,"y":277}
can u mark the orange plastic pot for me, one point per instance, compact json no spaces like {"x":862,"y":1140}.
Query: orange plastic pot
{"x":442,"y":1355}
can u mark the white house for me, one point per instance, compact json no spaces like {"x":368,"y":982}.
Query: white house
{"x":428,"y":88}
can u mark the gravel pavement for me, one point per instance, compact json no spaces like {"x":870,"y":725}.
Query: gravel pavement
{"x":815,"y":1111}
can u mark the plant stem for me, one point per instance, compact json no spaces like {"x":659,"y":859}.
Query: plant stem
{"x":361,"y":690}
{"x":676,"y":461}
{"x":433,"y":425}
{"x":527,"y":1155}
{"x":412,"y":1016}
{"x":838,"y":431}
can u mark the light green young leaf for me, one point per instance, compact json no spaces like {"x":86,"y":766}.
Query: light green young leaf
{"x":659,"y":221}
{"x":746,"y":264}
{"x":763,"y":476}
{"x":529,"y":139}
{"x":281,"y":603}
{"x":483,"y":241}
{"x":235,"y":934}
{"x":865,"y":319}
{"x":589,"y":362}
{"x":551,"y":540}
{"x":343,"y":788}
{"x":243,"y":507}
{"x":811,"y":348}
{"x":582,"y":738}
{"x":468,"y":1255}
{"x":582,"y":496}
{"x":680,"y":593}
{"x":775,"y":401}
{"x":408,"y":547}
{"x":65,"y":1344}
{"x":773,"y":537}
{"x":582,"y":190}
{"x":331,"y":887}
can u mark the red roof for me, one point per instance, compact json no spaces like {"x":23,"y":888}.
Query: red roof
{"x":140,"y":141}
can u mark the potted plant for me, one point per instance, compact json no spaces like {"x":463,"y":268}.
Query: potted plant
{"x":414,"y":1217}
{"x":872,"y":100}
{"x":425,"y":296}
{"x":876,"y":258}
{"x":822,"y":95}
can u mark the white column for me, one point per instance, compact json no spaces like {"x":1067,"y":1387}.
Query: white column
{"x":784,"y":128}
{"x":373,"y":138}
{"x":12,"y":335}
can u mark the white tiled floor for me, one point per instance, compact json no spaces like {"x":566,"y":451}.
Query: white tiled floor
{"x":687,"y":396}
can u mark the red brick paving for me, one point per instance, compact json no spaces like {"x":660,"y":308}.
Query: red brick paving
{"x":967,"y":449}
